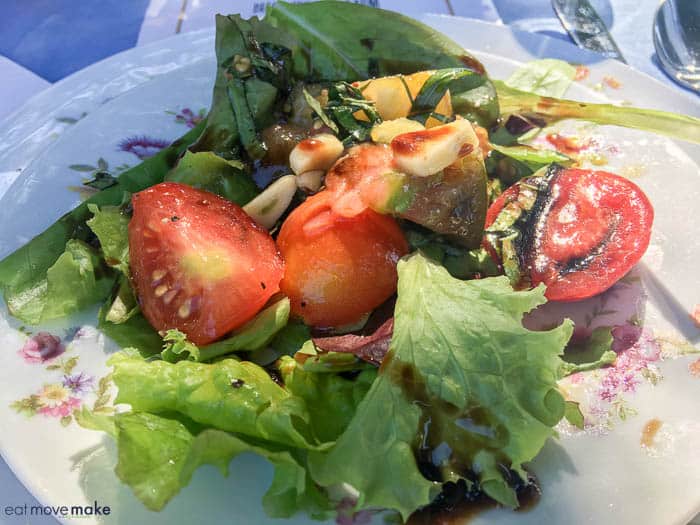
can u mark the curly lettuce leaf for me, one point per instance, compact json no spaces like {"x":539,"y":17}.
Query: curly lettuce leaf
{"x":158,"y":450}
{"x":547,"y":76}
{"x":75,"y":281}
{"x":157,"y":457}
{"x":330,"y":398}
{"x":487,"y":384}
{"x":590,"y":354}
{"x":229,"y":395}
{"x":111,"y":226}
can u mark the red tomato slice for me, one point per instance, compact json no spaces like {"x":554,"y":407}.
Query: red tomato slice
{"x":591,"y":229}
{"x":338,"y":268}
{"x":199,"y":262}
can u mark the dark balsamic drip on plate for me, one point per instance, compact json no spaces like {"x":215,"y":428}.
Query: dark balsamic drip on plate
{"x":448,"y":439}
{"x":457,"y":504}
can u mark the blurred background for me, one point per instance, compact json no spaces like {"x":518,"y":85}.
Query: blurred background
{"x":43,"y":41}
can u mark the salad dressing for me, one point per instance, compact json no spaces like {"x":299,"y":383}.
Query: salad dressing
{"x":457,"y":507}
{"x":447,"y":441}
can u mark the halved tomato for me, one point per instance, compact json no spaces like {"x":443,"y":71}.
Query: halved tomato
{"x":577,"y":231}
{"x":199,"y":263}
{"x":338,"y":268}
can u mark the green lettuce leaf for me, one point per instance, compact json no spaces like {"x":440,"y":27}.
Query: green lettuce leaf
{"x":229,"y":395}
{"x":291,"y":338}
{"x":533,"y":158}
{"x":75,"y":281}
{"x":133,"y":331}
{"x":512,"y":163}
{"x":330,"y":399}
{"x":574,"y":415}
{"x":209,"y":172}
{"x":487,"y":384}
{"x":123,"y":305}
{"x":548,"y":76}
{"x":158,"y":455}
{"x":252,"y":74}
{"x":24,"y":272}
{"x":353,"y":42}
{"x":590,"y":354}
{"x":253,"y":335}
{"x":111,"y":226}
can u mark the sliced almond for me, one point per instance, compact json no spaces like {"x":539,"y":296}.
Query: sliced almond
{"x":315,"y":153}
{"x":427,"y":152}
{"x":385,"y":132}
{"x":268,"y":207}
{"x":311,"y":180}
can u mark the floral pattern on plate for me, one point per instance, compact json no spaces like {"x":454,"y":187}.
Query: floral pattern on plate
{"x":67,"y":388}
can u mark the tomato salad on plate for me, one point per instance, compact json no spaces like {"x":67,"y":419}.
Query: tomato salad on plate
{"x":331,"y":271}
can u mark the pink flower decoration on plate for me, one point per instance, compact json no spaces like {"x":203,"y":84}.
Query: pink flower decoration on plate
{"x":42,"y":347}
{"x":55,"y":400}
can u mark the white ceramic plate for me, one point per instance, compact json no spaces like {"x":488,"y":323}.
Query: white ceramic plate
{"x":601,"y":475}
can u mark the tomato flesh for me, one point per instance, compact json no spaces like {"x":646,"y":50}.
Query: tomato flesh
{"x":338,"y":268}
{"x":199,"y":263}
{"x":595,"y":226}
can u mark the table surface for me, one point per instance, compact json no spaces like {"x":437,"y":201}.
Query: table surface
{"x":43,"y":41}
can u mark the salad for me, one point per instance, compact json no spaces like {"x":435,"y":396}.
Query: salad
{"x":331,"y":271}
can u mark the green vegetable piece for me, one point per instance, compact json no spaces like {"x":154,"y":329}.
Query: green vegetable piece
{"x":331,"y":399}
{"x":486,"y":383}
{"x":176,"y":347}
{"x":315,"y":105}
{"x":591,"y":349}
{"x":237,"y":94}
{"x":548,"y":77}
{"x":24,"y":272}
{"x":255,"y":334}
{"x":457,"y":80}
{"x":328,"y":362}
{"x":124,"y":305}
{"x":112,"y":229}
{"x":551,"y":109}
{"x":353,"y":42}
{"x":291,"y":337}
{"x":75,"y":281}
{"x":253,"y":63}
{"x":533,"y":158}
{"x":229,"y":395}
{"x":133,"y":332}
{"x":512,"y":163}
{"x":573,"y":414}
{"x":157,"y":457}
{"x":207,"y":171}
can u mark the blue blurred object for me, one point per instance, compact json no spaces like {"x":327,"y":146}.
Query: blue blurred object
{"x":54,"y":38}
{"x":677,"y":41}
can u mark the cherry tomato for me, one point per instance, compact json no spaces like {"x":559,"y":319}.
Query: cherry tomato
{"x":198,"y":262}
{"x":338,"y":268}
{"x":587,"y":230}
